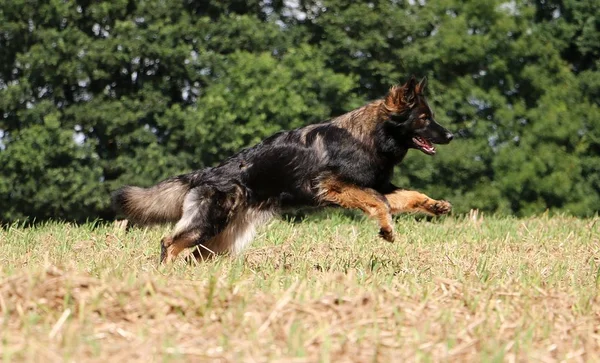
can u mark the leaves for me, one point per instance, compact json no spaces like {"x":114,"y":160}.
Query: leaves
{"x":97,"y":95}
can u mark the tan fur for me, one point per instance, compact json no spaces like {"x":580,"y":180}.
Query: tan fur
{"x":319,"y":146}
{"x":368,"y":200}
{"x":174,"y":246}
{"x":158,"y":204}
{"x":407,"y":201}
{"x":361,"y":122}
{"x":378,"y":206}
{"x":238,"y":233}
{"x":306,"y":130}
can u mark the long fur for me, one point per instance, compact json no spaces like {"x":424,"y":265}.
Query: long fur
{"x":347,"y":162}
{"x":161,"y":203}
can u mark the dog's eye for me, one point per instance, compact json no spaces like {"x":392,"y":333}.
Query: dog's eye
{"x":424,"y":122}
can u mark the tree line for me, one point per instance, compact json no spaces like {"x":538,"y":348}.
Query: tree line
{"x":95,"y":95}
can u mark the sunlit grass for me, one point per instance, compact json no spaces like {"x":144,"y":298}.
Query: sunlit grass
{"x":474,"y":288}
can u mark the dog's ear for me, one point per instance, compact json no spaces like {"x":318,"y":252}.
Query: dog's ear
{"x":410,"y":91}
{"x":420,"y":87}
{"x":399,"y":97}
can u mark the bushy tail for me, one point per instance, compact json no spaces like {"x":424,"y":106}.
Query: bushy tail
{"x":161,"y":203}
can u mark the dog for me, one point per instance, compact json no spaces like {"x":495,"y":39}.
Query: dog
{"x":347,"y":161}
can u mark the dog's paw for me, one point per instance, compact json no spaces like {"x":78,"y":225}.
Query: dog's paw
{"x":440,"y":207}
{"x":164,"y":243}
{"x":387,"y":234}
{"x":163,"y":254}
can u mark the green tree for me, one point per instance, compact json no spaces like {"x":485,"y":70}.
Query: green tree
{"x":94,"y":95}
{"x":517,"y":82}
{"x":138,"y":91}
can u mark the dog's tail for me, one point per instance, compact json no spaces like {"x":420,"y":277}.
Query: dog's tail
{"x":161,"y":203}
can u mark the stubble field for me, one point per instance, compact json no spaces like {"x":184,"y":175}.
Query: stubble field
{"x":472,"y":288}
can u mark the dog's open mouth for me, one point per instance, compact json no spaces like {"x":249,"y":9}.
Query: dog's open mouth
{"x":424,"y":145}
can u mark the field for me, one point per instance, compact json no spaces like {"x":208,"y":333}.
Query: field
{"x":472,"y":288}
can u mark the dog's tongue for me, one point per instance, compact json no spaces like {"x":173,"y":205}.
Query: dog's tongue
{"x":424,"y":145}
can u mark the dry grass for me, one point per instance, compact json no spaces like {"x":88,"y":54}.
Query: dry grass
{"x":467,"y":289}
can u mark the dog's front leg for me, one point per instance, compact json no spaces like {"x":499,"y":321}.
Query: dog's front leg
{"x":406,"y":201}
{"x":368,"y":200}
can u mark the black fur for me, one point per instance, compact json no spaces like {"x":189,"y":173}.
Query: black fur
{"x":282,"y":172}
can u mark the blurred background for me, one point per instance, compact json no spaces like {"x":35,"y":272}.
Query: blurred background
{"x":98,"y":94}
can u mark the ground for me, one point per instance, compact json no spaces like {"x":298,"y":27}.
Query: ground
{"x":472,"y":288}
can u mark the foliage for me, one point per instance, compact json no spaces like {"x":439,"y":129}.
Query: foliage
{"x":94,"y":95}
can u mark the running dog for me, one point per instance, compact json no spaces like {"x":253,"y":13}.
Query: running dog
{"x":347,"y":161}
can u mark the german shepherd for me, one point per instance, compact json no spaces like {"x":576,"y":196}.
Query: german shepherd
{"x":347,"y":161}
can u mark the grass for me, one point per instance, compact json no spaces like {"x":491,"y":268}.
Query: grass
{"x":327,"y":289}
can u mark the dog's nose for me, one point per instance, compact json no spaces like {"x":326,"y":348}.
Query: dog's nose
{"x":449,"y":136}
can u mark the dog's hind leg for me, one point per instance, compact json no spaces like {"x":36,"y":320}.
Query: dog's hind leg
{"x":171,"y":247}
{"x":407,"y":201}
{"x":368,"y":200}
{"x":206,"y":213}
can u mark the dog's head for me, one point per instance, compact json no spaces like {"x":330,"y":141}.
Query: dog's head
{"x":411,"y":115}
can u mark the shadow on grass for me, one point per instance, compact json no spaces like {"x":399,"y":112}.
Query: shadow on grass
{"x":344,"y":215}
